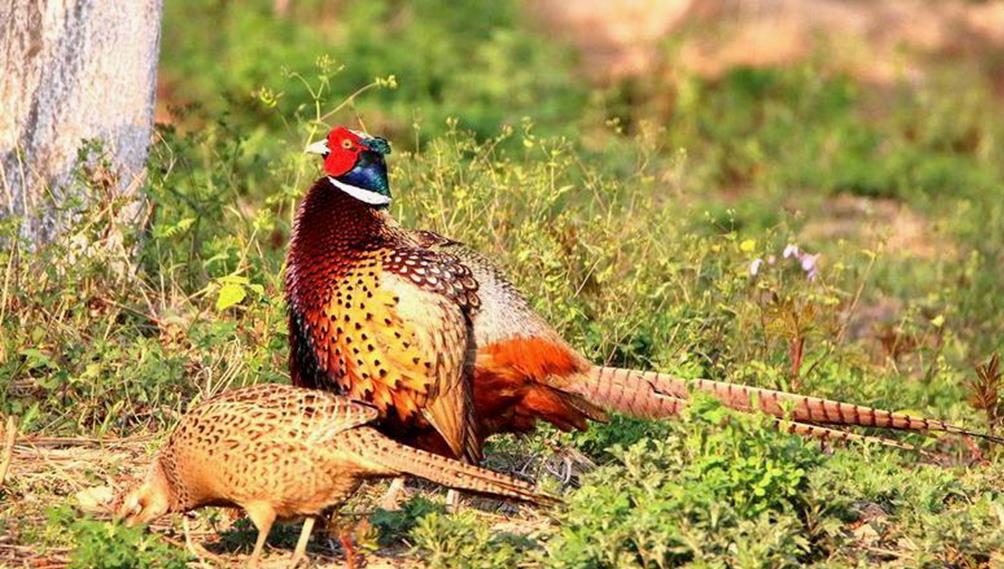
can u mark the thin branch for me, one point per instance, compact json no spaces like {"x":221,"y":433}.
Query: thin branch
{"x":351,"y":98}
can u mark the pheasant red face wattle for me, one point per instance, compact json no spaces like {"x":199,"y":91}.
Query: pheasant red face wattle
{"x":344,"y":147}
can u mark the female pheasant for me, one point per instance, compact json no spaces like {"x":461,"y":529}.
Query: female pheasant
{"x":279,"y":452}
{"x":446,"y":348}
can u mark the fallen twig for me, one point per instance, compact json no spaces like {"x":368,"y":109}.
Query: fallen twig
{"x":85,"y":441}
{"x":200,"y":553}
{"x":28,"y":556}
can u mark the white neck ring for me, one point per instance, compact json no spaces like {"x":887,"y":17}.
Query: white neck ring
{"x":361,"y":194}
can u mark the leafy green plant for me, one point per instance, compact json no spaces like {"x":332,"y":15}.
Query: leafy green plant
{"x":114,"y":546}
{"x":480,"y":63}
{"x":713,"y":489}
{"x":396,"y":524}
{"x":461,"y":541}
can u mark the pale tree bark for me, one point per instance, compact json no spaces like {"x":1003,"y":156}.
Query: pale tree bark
{"x":70,"y":71}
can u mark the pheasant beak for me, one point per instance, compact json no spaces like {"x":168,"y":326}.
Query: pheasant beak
{"x":319,"y":147}
{"x":129,"y":509}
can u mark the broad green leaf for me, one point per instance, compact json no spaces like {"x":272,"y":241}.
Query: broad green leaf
{"x":230,"y":294}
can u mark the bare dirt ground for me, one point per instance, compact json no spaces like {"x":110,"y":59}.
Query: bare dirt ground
{"x":874,"y":41}
{"x":903,"y":231}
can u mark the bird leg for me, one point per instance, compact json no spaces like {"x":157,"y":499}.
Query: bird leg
{"x":263,"y":516}
{"x":392,"y":499}
{"x":301,"y":544}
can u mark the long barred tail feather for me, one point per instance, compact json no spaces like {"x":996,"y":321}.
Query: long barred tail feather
{"x":621,"y":389}
{"x":611,"y":392}
{"x":827,"y":434}
{"x":643,"y":402}
{"x":403,"y":459}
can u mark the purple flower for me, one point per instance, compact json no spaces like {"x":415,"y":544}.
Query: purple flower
{"x":808,"y":262}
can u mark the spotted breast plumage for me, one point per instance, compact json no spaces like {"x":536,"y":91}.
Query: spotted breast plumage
{"x":379,"y":319}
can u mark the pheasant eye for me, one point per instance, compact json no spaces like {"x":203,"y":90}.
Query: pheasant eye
{"x":347,"y":144}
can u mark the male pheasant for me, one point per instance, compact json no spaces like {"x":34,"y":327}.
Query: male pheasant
{"x":434,"y":336}
{"x":280,"y":452}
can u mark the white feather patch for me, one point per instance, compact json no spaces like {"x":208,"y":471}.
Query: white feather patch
{"x":361,"y":194}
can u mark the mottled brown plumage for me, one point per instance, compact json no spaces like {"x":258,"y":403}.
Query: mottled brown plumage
{"x":284,"y":452}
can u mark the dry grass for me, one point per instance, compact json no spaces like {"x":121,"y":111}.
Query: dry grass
{"x":47,"y":471}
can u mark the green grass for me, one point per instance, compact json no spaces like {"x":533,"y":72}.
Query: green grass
{"x":99,"y":544}
{"x":631,"y":230}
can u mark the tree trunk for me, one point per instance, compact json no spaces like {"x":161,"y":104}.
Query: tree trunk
{"x":72,"y":71}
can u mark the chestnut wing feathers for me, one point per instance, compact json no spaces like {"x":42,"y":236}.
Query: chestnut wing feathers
{"x":394,"y":330}
{"x":442,"y":333}
{"x":437,"y":296}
